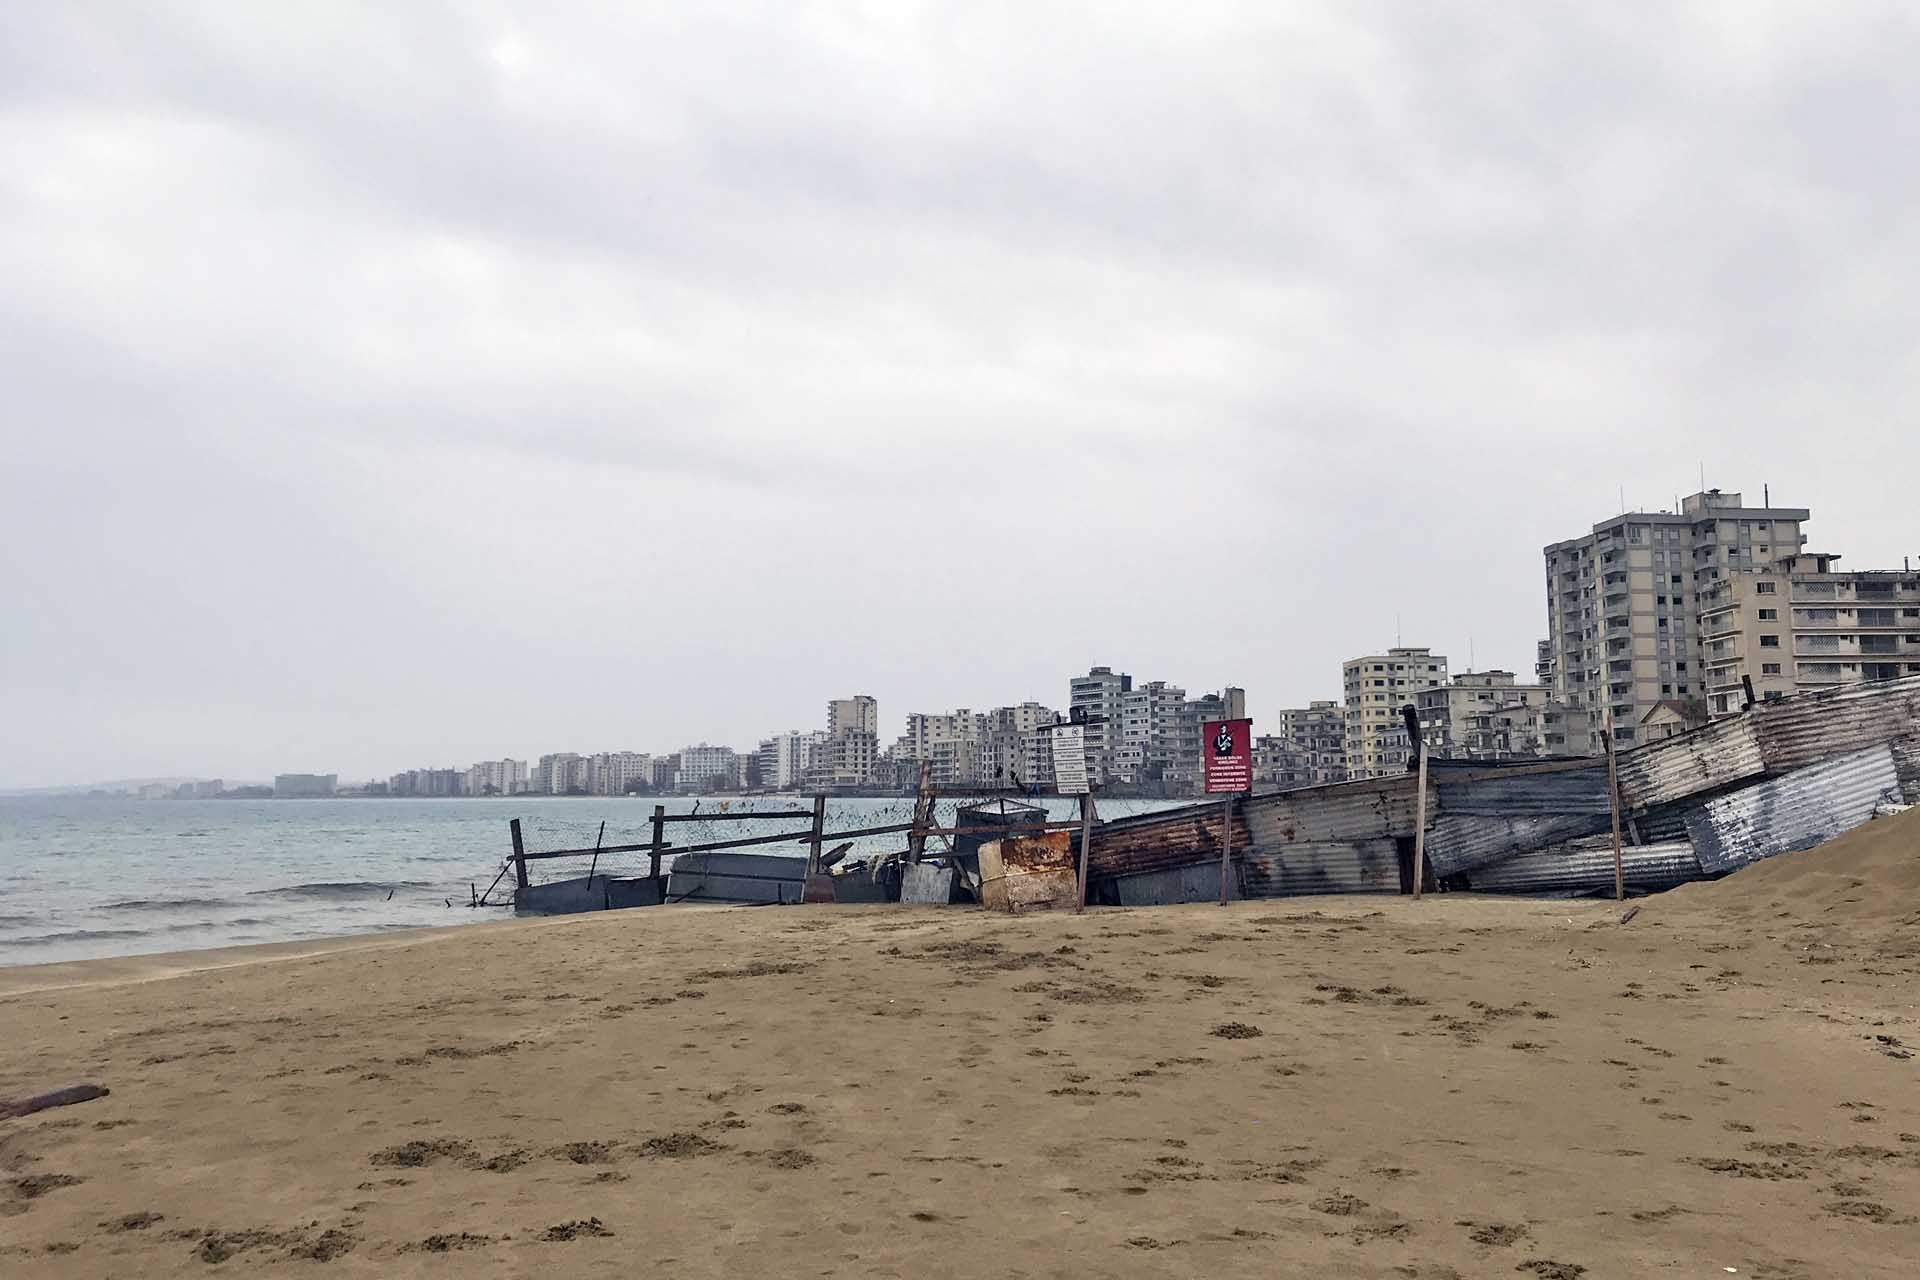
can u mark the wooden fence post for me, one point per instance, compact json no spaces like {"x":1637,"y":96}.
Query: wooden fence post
{"x":519,"y":855}
{"x":1226,"y":843}
{"x":922,"y":815}
{"x":819,"y":826}
{"x":1613,"y":807}
{"x":659,"y":839}
{"x":1086,"y":839}
{"x":1420,"y":823}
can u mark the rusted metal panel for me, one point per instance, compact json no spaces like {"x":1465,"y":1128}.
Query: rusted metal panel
{"x":1029,"y":873}
{"x":1586,"y":866}
{"x":1707,"y":759}
{"x":1378,"y":808}
{"x":1352,"y":866}
{"x":1800,"y":731}
{"x":1164,"y":840}
{"x":1795,"y":811}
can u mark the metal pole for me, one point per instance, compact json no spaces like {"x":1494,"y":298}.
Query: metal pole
{"x":1226,"y":842}
{"x":1613,"y":807}
{"x":1086,"y":839}
{"x":1420,"y":824}
{"x":519,"y":855}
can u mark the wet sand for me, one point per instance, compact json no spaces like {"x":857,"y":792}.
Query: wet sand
{"x":1315,"y":1087}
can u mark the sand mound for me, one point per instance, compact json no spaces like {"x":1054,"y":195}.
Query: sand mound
{"x":1871,"y":875}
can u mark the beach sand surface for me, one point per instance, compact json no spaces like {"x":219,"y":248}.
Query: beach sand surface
{"x":1728,"y":1083}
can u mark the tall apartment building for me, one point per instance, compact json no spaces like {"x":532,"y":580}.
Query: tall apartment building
{"x":972,"y":748}
{"x":301,"y":786}
{"x":1486,"y":715}
{"x":707,"y":768}
{"x":858,"y":714}
{"x":785,"y":758}
{"x":612,"y":773}
{"x":1150,"y":731}
{"x":1308,"y":747}
{"x":496,"y":778}
{"x":1800,"y":624}
{"x":1624,"y":603}
{"x":1376,"y":687}
{"x":1096,"y":696}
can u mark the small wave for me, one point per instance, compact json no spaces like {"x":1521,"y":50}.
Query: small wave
{"x":76,"y":935}
{"x":341,"y":889}
{"x":165,"y":904}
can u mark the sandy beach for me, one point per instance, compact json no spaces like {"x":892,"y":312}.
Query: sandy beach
{"x":1724,"y":1084}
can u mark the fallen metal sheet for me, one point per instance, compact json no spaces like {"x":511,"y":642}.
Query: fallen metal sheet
{"x":586,"y":893}
{"x":926,"y":884}
{"x":1460,"y":843}
{"x":749,"y":878}
{"x":1355,"y":866}
{"x":1587,"y":865}
{"x":1707,"y":759}
{"x":1796,"y":811}
{"x":1804,"y":730}
{"x":1029,"y":873}
{"x":1197,"y":883}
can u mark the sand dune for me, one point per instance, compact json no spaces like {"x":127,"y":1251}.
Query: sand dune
{"x":1341,"y":1088}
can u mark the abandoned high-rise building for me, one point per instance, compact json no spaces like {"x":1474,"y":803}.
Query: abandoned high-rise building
{"x":1624,"y":604}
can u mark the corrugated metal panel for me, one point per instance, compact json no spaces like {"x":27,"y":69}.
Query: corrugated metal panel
{"x":1199,"y":883}
{"x":1456,"y":844}
{"x":1587,"y":865}
{"x":1800,"y":731}
{"x":1374,"y":809}
{"x":1708,"y":759}
{"x":1796,"y":811}
{"x":1574,"y":790}
{"x":1164,"y":840}
{"x":1906,"y":763}
{"x":1357,"y":866}
{"x":1496,"y":816}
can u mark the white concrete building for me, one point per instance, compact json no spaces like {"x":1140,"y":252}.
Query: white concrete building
{"x":1376,"y":686}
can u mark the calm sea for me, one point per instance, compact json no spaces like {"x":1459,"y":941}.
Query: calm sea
{"x":82,"y":877}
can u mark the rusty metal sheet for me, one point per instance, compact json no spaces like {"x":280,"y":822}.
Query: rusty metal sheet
{"x":1795,"y":811}
{"x":1353,"y":866}
{"x":1029,"y":873}
{"x":1164,"y":840}
{"x":1586,"y":866}
{"x":1373,"y":809}
{"x":1803,"y":730}
{"x":1707,"y":759}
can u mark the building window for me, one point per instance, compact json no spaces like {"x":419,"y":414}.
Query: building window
{"x":1769,"y":615}
{"x":1769,"y":642}
{"x":1763,"y":588}
{"x":1769,"y":668}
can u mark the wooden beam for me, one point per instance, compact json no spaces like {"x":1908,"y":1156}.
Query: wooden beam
{"x":519,"y":855}
{"x":659,"y":843}
{"x":1613,"y":808}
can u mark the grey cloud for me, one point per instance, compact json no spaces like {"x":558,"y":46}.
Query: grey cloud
{"x":429,"y":382}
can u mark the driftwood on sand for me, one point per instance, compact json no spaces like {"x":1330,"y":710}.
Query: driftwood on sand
{"x":58,"y":1098}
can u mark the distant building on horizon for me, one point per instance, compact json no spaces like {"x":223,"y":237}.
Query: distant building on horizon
{"x":1376,"y":686}
{"x":304,"y":786}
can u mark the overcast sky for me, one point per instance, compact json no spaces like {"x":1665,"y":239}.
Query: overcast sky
{"x":401,"y":385}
